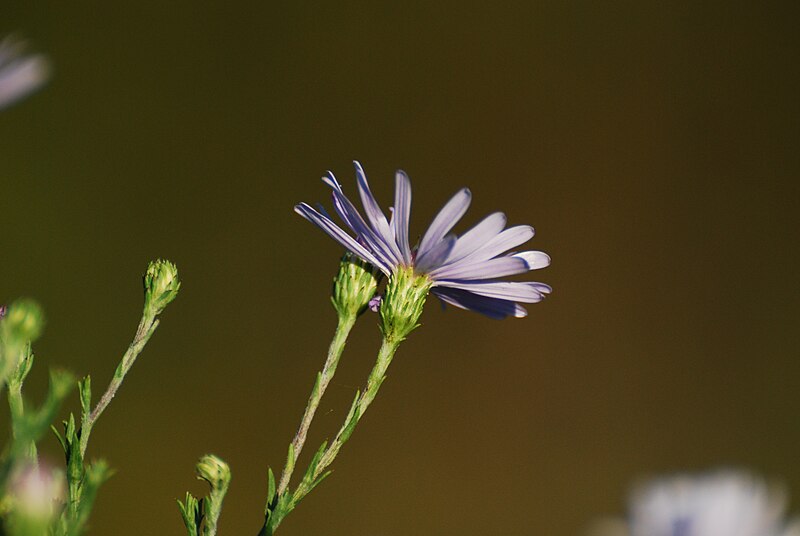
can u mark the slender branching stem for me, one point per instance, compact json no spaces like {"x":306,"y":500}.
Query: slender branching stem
{"x":335,"y":350}
{"x":147,"y":327}
{"x":374,"y":381}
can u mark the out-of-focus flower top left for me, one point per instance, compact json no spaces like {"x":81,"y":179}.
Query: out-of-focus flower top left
{"x":21,"y":73}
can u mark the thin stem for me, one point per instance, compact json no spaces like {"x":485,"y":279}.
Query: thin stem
{"x":147,"y":325}
{"x":321,"y":384}
{"x":16,"y":405}
{"x":376,"y":377}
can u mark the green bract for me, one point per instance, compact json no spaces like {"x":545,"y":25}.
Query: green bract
{"x":403,"y":303}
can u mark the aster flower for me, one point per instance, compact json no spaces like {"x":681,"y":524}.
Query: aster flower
{"x":722,"y":503}
{"x":463,"y":271}
{"x":20,"y":73}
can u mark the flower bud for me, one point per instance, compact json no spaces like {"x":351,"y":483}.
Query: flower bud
{"x":161,"y":285}
{"x":354,"y":286}
{"x":403,"y":303}
{"x":22,"y":322}
{"x":214,"y":471}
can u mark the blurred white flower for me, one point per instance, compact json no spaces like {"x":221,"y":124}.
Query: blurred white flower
{"x":20,"y":73}
{"x":721,"y":503}
{"x":36,"y":490}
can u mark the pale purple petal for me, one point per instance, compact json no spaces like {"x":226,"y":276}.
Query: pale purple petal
{"x":490,"y":269}
{"x":508,"y":239}
{"x":436,"y":255}
{"x":341,"y":210}
{"x":445,"y":220}
{"x":375,"y":215}
{"x":478,"y":236}
{"x":350,"y":214}
{"x":519,"y":291}
{"x":402,"y":213}
{"x":535,"y":259}
{"x":340,"y":236}
{"x":491,"y":307}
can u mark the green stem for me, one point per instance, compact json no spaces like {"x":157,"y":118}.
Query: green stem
{"x":17,"y":409}
{"x":16,"y":406}
{"x":147,"y":325}
{"x":376,"y":377}
{"x":335,"y":350}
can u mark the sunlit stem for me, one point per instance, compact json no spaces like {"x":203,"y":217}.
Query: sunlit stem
{"x":335,"y":350}
{"x":147,"y":325}
{"x":374,"y":381}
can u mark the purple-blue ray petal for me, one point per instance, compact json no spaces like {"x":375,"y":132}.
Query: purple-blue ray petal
{"x":330,"y":180}
{"x":375,"y":215}
{"x":519,"y":291}
{"x":478,"y":236}
{"x":452,"y":211}
{"x":340,"y":236}
{"x":534,"y":259}
{"x":435,"y":256}
{"x":508,"y":239}
{"x":490,"y":269}
{"x":376,"y":243}
{"x":491,"y":307}
{"x":341,"y":210}
{"x":402,"y":213}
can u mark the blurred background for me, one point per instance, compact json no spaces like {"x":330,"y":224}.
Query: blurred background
{"x":653,"y":145}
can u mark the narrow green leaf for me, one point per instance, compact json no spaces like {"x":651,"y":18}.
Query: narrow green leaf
{"x":289,"y":460}
{"x":190,"y":512}
{"x":85,"y":392}
{"x":312,"y":466}
{"x":271,"y":488}
{"x":59,"y":437}
{"x":315,"y":390}
{"x":319,"y":480}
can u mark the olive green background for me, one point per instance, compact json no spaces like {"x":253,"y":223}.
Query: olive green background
{"x":653,"y":145}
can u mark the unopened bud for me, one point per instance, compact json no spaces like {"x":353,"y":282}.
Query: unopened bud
{"x":354,"y":286}
{"x":22,"y":322}
{"x":161,"y":286}
{"x":215,"y":471}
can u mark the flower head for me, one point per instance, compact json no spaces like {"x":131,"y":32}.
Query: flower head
{"x":463,"y":270}
{"x":20,"y":73}
{"x":35,"y":499}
